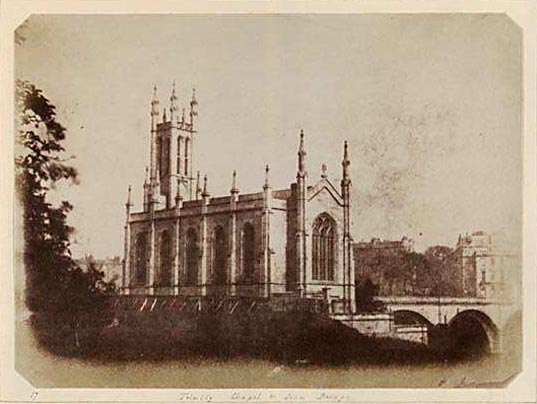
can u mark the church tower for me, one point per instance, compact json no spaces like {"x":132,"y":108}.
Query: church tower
{"x":171,"y":179}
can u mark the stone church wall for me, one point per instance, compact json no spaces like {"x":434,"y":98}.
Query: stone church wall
{"x":323,"y":202}
{"x":278,"y":241}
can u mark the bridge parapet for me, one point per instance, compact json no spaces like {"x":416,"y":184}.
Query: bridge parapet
{"x":441,"y":300}
{"x":491,"y":314}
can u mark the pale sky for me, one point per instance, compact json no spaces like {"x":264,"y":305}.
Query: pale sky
{"x":430,"y":105}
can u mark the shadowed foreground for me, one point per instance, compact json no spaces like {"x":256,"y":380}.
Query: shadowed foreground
{"x":108,"y":362}
{"x":292,"y":338}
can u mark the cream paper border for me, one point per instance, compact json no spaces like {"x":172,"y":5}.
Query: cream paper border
{"x":524,"y":13}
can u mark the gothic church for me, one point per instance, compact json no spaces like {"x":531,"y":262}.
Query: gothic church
{"x":273,"y":242}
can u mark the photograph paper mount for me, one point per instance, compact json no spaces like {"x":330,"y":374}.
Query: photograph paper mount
{"x":15,"y":388}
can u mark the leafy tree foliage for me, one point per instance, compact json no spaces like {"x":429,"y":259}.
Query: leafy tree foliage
{"x":54,"y":283}
{"x":444,"y":268}
{"x":433,"y":273}
{"x":366,"y":291}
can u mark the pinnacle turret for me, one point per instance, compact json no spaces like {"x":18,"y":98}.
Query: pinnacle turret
{"x":155,"y":110}
{"x":205,"y":192}
{"x":301,"y":155}
{"x":193,"y":105}
{"x":129,"y":203}
{"x":234,"y":189}
{"x":198,"y":186}
{"x":173,"y":103}
{"x":266,"y":184}
{"x":345,"y":163}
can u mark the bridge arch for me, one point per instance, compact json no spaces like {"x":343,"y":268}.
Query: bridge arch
{"x":409,"y":317}
{"x":470,"y":328}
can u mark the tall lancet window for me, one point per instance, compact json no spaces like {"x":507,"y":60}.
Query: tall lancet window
{"x":324,"y":248}
{"x":140,"y":262}
{"x":187,"y":145}
{"x":159,"y":154}
{"x":192,"y":257}
{"x":248,"y":252}
{"x":165,"y":260}
{"x":179,"y":155}
{"x":220,"y":256}
{"x":165,"y":153}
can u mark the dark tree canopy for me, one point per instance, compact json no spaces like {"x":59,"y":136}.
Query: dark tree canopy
{"x":366,"y":292}
{"x":444,"y":268}
{"x":54,"y":283}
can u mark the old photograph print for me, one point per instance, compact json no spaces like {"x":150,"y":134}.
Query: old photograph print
{"x":268,"y":201}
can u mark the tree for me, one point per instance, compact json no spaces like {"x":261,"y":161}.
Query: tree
{"x":443,"y":268}
{"x":54,"y":283}
{"x":366,"y":291}
{"x":417,"y":271}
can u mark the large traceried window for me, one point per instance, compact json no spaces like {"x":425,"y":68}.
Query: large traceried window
{"x":324,"y":248}
{"x":140,"y":262}
{"x":248,"y":252}
{"x":165,"y":260}
{"x":192,"y":257}
{"x":220,"y":256}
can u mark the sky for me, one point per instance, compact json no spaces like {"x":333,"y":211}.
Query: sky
{"x":429,"y":103}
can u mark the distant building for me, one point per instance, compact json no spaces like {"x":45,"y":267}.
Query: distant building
{"x":485,"y":266}
{"x":380,"y":261}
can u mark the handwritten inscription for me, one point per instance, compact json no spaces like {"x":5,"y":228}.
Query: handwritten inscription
{"x":246,"y":397}
{"x":333,"y":397}
{"x":196,"y":398}
{"x":258,"y":396}
{"x":264,"y":397}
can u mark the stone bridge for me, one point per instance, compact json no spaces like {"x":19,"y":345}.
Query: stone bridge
{"x":455,"y":312}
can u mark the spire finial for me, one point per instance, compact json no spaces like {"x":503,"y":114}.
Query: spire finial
{"x":146,"y":175}
{"x":193,"y":104}
{"x":323,"y":170}
{"x":345,"y":163}
{"x":198,"y":186}
{"x":164,"y":115}
{"x":301,"y":154}
{"x":129,"y":204}
{"x":266,"y":185}
{"x":234,"y":189}
{"x":173,"y":103}
{"x":183,"y":116}
{"x":194,"y":101}
{"x":154,"y":102}
{"x":205,"y":192}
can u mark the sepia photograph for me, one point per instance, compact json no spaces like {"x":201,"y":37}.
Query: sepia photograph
{"x":268,"y":201}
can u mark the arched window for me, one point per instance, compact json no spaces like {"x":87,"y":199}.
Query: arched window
{"x":191,"y":257}
{"x":179,"y":155}
{"x":159,"y":154}
{"x":165,"y":156}
{"x":220,"y":256}
{"x":165,"y":262}
{"x":187,"y":144}
{"x":323,"y":248}
{"x":140,"y":249}
{"x":248,"y":251}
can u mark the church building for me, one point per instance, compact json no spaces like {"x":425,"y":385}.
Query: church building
{"x":272,"y":242}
